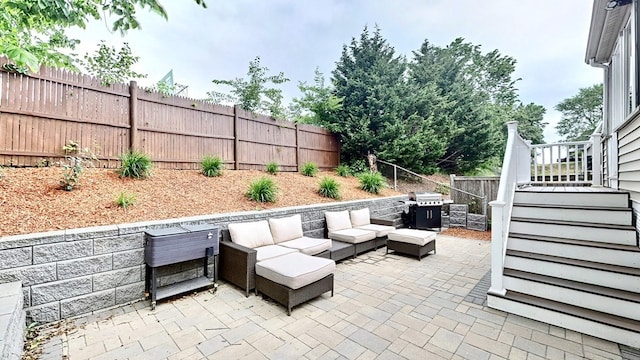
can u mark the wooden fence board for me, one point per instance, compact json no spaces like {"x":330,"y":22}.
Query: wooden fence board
{"x":41,"y":112}
{"x":479,"y":185}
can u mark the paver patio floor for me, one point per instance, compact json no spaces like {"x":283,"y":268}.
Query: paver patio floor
{"x":384,"y":307}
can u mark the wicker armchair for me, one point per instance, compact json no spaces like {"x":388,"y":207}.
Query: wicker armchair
{"x":237,"y":264}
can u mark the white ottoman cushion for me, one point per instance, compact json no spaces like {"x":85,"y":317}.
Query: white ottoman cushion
{"x":272,"y":251}
{"x":412,"y":236}
{"x":381,"y":230}
{"x":307,"y":245}
{"x":353,"y":236}
{"x":295,"y":270}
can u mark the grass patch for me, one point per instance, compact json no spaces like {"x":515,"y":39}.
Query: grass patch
{"x":262,"y":190}
{"x":135,"y":164}
{"x":212,"y":166}
{"x":371,"y":182}
{"x":329,"y":188}
{"x":309,"y":169}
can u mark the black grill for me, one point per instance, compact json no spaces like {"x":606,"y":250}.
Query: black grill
{"x":424,"y":211}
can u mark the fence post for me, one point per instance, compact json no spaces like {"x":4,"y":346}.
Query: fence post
{"x":297,"y":148}
{"x":133,"y":115}
{"x":395,"y":177}
{"x":236,"y":159}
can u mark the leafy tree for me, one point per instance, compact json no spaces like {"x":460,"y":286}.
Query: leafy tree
{"x":112,"y":66}
{"x":477,"y":97}
{"x":317,"y":105}
{"x":253,"y":94}
{"x":581,"y":114}
{"x":530,"y":121}
{"x":377,"y":116}
{"x":33,"y":32}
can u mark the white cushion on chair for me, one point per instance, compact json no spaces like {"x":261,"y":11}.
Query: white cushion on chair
{"x":307,"y":245}
{"x":295,"y":270}
{"x":272,"y":251}
{"x":353,"y":236}
{"x":412,"y":236}
{"x":360,"y":217}
{"x":285,"y":229}
{"x":381,"y":230}
{"x":251,"y":234}
{"x":337,"y":220}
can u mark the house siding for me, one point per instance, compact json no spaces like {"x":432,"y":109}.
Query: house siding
{"x":629,"y":158}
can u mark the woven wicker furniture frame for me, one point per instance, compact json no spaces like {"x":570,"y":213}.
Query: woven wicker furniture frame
{"x":291,"y":297}
{"x":238,"y":265}
{"x":411,"y":249}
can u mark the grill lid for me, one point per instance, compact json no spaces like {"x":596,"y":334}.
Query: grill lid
{"x":425,"y":197}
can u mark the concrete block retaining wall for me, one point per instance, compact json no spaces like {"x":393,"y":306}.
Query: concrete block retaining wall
{"x":73,"y":272}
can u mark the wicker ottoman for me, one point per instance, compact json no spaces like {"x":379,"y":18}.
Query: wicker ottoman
{"x":294,"y":278}
{"x":412,"y":242}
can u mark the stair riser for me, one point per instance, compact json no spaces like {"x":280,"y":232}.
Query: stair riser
{"x":577,"y":199}
{"x":587,"y":253}
{"x":626,"y":337}
{"x":576,"y":215}
{"x":624,"y":308}
{"x":603,"y":235}
{"x":588,"y":276}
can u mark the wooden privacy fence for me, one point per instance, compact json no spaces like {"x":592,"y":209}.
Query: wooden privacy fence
{"x":479,"y":185}
{"x":41,"y":112}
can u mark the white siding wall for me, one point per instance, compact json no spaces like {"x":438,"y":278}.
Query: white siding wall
{"x":629,"y":157}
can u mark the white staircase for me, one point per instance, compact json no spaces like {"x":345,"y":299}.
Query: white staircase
{"x":572,"y":260}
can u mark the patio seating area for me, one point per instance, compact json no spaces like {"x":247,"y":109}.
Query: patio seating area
{"x":385,"y":306}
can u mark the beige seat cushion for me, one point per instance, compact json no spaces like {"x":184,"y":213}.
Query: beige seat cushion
{"x":295,"y":270}
{"x":287,"y":228}
{"x":360,"y":217}
{"x":272,"y":251}
{"x":412,"y":236}
{"x":251,"y":234}
{"x":353,"y":236}
{"x":307,"y":245}
{"x":381,"y":230}
{"x":337,"y":220}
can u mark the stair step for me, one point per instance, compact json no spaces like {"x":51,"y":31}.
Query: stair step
{"x":582,"y":214}
{"x":614,"y":234}
{"x":615,"y":254}
{"x":594,"y":323}
{"x":617,"y":321}
{"x":575,"y":285}
{"x":588,"y":272}
{"x":575,"y":262}
{"x":542,"y":196}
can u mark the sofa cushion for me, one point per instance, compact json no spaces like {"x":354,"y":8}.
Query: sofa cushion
{"x":337,"y":220}
{"x":285,"y":229}
{"x":412,"y":236}
{"x":353,"y":236}
{"x":360,"y":217}
{"x":295,"y":270}
{"x":307,"y":245}
{"x":381,"y":230}
{"x":272,"y":251}
{"x":251,"y":234}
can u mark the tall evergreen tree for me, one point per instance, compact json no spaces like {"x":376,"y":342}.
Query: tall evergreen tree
{"x":377,"y":116}
{"x":581,"y":114}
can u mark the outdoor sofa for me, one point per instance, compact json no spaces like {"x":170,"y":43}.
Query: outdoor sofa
{"x":248,"y":243}
{"x":356,"y":227}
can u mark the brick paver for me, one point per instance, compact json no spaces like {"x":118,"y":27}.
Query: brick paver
{"x":384,"y":307}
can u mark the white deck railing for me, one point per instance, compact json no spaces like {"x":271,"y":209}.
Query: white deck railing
{"x":545,"y":163}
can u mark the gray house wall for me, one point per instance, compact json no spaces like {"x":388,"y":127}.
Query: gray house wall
{"x":74,"y":272}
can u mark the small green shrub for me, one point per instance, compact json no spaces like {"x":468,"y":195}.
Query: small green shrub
{"x":76,"y":160}
{"x":343,"y":170}
{"x":371,"y":181}
{"x":358,"y":166}
{"x":212,"y":166}
{"x":273,"y":168}
{"x":329,"y":187}
{"x":263,"y":189}
{"x":135,"y":164}
{"x":442,"y":189}
{"x":309,"y":169}
{"x":124,"y":199}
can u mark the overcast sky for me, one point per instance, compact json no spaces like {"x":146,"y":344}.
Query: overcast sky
{"x":546,"y":37}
